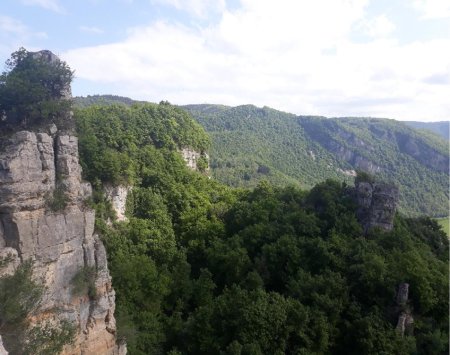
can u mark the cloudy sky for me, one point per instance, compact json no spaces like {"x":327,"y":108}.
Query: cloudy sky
{"x":378,"y":58}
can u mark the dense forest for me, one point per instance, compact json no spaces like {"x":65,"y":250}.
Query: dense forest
{"x":250,"y":144}
{"x":440,"y":128}
{"x":104,"y":100}
{"x":202,"y":268}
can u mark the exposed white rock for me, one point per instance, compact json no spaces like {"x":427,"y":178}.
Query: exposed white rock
{"x":347,"y":172}
{"x":2,"y":349}
{"x":192,"y":156}
{"x":27,"y":173}
{"x":117,"y":195}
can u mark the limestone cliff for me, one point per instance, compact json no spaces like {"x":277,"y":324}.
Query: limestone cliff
{"x":44,"y":218}
{"x":117,"y":196}
{"x":2,"y":349}
{"x":377,"y":204}
{"x":36,"y":169}
{"x":423,"y":153}
{"x":405,"y":322}
{"x":194,"y":159}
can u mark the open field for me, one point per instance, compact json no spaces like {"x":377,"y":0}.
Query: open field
{"x":444,"y":223}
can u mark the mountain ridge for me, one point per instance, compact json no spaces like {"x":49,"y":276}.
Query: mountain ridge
{"x":311,"y":149}
{"x":251,"y":144}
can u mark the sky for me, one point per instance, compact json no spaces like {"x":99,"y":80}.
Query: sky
{"x":372,"y":58}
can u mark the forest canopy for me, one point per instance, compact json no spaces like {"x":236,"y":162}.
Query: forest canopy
{"x":202,"y":268}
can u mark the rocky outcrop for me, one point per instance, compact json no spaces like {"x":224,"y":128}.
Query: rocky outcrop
{"x":2,"y":349}
{"x":422,"y":152}
{"x":402,"y":294}
{"x":350,"y":156}
{"x":33,"y":167}
{"x":344,"y":145}
{"x":405,"y":320}
{"x":192,"y":158}
{"x":347,"y":172}
{"x":117,"y":195}
{"x":405,"y":324}
{"x":377,"y":204}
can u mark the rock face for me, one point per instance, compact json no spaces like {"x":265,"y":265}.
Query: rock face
{"x":422,"y":153}
{"x":348,"y":155}
{"x":192,"y":157}
{"x":2,"y":349}
{"x":377,"y":203}
{"x":117,"y":195}
{"x":405,"y":321}
{"x":33,"y":166}
{"x":402,"y":294}
{"x":348,"y":152}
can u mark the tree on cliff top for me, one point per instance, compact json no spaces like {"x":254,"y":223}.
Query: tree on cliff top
{"x":34,"y":89}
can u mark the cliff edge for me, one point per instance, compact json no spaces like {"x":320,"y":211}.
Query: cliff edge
{"x":44,"y":218}
{"x":34,"y":169}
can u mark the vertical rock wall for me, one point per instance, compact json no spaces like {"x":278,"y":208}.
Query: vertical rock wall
{"x":191,"y":158}
{"x":117,"y":195}
{"x":2,"y":349}
{"x":405,"y":322}
{"x":377,"y":204}
{"x":33,"y":166}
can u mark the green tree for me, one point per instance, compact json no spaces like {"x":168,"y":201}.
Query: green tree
{"x":33,"y":90}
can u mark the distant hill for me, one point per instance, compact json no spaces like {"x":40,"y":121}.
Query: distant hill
{"x":441,"y":128}
{"x":81,"y":101}
{"x":251,"y":144}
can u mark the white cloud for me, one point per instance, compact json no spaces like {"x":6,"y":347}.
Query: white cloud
{"x":52,"y":5}
{"x":11,"y":25}
{"x":431,"y":9}
{"x":379,"y":26}
{"x":273,"y":55}
{"x":15,"y":34}
{"x":91,"y":29}
{"x":199,"y":8}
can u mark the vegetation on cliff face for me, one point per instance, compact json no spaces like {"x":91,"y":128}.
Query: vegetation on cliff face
{"x":202,"y":268}
{"x":251,"y":144}
{"x":20,"y":297}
